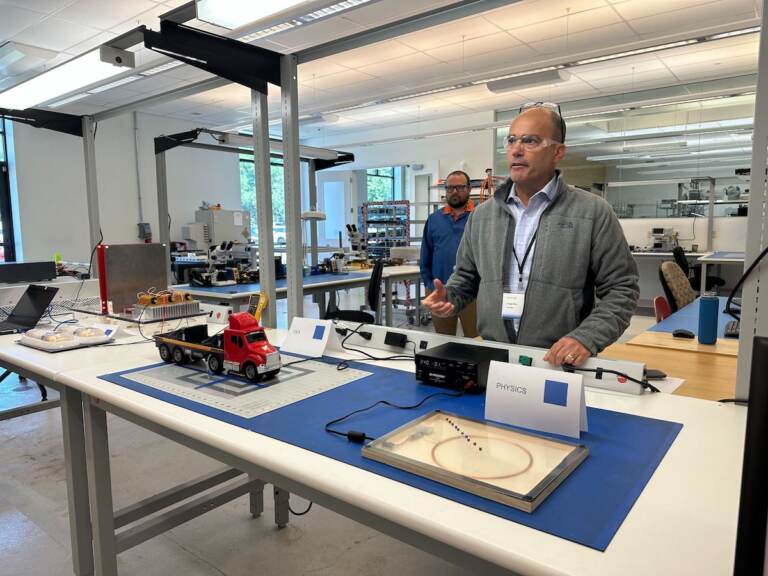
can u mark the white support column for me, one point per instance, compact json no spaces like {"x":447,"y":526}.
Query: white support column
{"x":292,"y":179}
{"x":754,"y":309}
{"x":91,"y":184}
{"x":263,"y":183}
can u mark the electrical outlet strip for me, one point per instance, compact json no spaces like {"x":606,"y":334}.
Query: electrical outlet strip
{"x":424,"y":340}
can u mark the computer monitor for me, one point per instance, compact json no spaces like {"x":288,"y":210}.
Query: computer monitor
{"x":753,"y":506}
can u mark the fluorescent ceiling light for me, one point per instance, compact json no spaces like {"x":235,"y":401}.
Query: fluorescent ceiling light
{"x":236,"y":13}
{"x":68,"y":100}
{"x":696,"y":171}
{"x":517,"y":74}
{"x":601,"y":113}
{"x":694,"y":162}
{"x":79,"y":72}
{"x":425,"y":93}
{"x":655,"y":145}
{"x":734,"y":33}
{"x":161,"y":68}
{"x":528,"y":81}
{"x":638,"y":51}
{"x":115,"y":84}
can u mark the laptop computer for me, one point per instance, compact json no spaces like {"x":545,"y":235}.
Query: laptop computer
{"x":29,"y":309}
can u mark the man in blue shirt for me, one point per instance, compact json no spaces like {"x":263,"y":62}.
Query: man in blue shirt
{"x":439,"y":244}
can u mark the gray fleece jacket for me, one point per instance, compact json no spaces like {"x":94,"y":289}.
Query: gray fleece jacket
{"x":580,"y":254}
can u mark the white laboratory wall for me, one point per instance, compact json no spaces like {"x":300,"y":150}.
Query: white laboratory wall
{"x":51,"y":184}
{"x":50,"y":179}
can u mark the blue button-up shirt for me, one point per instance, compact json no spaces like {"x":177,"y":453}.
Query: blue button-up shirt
{"x":526,"y":223}
{"x":439,"y":244}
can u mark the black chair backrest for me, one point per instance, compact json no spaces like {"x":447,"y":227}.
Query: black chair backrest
{"x":682,"y":261}
{"x":374,"y":286}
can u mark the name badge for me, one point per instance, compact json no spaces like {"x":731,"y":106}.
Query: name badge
{"x":512,"y":305}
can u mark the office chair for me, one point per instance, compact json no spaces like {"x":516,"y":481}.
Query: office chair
{"x":695,"y":282}
{"x":374,"y":301}
{"x":661,"y":308}
{"x":675,"y":285}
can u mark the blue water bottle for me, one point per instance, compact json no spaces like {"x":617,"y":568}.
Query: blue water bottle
{"x":708,"y":304}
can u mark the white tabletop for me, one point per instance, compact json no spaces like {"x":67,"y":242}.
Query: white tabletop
{"x":683,"y":523}
{"x":723,"y":256}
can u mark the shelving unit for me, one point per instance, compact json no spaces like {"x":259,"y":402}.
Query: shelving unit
{"x":385,"y":224}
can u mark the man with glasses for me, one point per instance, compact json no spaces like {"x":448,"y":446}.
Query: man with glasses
{"x":439,"y":243}
{"x":547,"y":263}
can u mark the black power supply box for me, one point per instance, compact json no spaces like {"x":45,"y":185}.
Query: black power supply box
{"x":457,"y":366}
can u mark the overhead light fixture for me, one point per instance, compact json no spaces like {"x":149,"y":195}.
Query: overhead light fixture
{"x":638,"y":51}
{"x":516,"y":74}
{"x":528,"y":81}
{"x":647,"y":146}
{"x":115,"y":84}
{"x":68,"y":100}
{"x":424,"y":93}
{"x":94,"y":66}
{"x":741,"y":32}
{"x":162,"y":68}
{"x":601,"y":113}
{"x":236,"y":13}
{"x":307,"y":18}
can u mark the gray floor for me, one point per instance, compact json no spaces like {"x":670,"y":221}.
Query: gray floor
{"x":34,"y":532}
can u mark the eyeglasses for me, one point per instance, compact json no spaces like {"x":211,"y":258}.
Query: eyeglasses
{"x":530,"y":142}
{"x":549,"y":106}
{"x":457,"y":188}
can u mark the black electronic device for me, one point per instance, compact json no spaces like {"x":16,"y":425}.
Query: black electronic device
{"x":732,"y":329}
{"x":11,"y":272}
{"x":457,"y":366}
{"x":683,"y":333}
{"x":653,"y":374}
{"x":29,"y":309}
{"x":753,"y":504}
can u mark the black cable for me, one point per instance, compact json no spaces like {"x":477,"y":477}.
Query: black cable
{"x":299,"y":513}
{"x":302,"y":360}
{"x":344,"y":364}
{"x":734,"y":401}
{"x":360,"y":437}
{"x":90,"y":264}
{"x":741,"y":281}
{"x":644,"y":383}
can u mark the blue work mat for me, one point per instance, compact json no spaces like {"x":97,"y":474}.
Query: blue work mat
{"x":687,"y":318}
{"x":587,"y":508}
{"x":281,"y":283}
{"x":724,"y":254}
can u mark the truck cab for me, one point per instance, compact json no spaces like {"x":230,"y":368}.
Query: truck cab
{"x":247,"y":350}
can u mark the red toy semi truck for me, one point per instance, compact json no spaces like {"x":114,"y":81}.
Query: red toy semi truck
{"x":242,"y":348}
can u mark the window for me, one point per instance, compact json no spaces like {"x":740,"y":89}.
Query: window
{"x":381,"y":184}
{"x":7,"y":247}
{"x":248,"y":196}
{"x":256,"y":337}
{"x":236,"y":340}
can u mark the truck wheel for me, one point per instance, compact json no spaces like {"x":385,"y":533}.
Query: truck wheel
{"x":271,"y":374}
{"x":214,"y":364}
{"x":251,"y":372}
{"x":165,"y":353}
{"x":178,"y":356}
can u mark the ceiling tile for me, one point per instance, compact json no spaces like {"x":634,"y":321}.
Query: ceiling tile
{"x":393,"y":68}
{"x":340,"y":79}
{"x":697,"y":19}
{"x":90,"y":44}
{"x":42,"y":6}
{"x":592,"y":72}
{"x":646,"y":8}
{"x":462,"y":50}
{"x":371,"y":54}
{"x":519,"y":57}
{"x":15,"y":20}
{"x":149,"y":18}
{"x":571,"y":26}
{"x":449,"y":33}
{"x":104,"y":15}
{"x":318,"y":69}
{"x":56,"y":34}
{"x":524,"y":14}
{"x":614,"y":35}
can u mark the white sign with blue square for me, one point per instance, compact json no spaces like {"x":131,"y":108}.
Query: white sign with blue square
{"x":536,"y":398}
{"x":310,"y":337}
